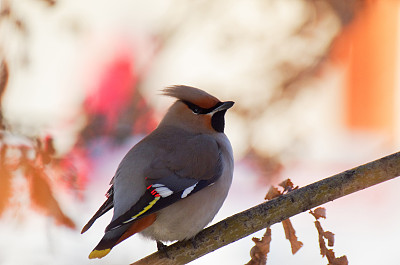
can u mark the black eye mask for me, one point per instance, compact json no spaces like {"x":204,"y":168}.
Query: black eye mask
{"x":199,"y":110}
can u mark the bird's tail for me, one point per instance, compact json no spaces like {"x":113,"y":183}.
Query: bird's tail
{"x":113,"y":237}
{"x":107,"y":205}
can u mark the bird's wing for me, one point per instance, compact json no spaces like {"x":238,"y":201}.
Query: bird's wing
{"x":107,"y":205}
{"x":179,"y":173}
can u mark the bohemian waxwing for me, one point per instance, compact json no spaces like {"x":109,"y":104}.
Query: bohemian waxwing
{"x":171,"y":184}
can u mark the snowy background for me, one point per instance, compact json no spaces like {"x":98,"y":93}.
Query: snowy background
{"x":316,"y":86}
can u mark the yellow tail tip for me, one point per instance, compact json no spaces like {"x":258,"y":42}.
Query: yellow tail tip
{"x":98,"y":254}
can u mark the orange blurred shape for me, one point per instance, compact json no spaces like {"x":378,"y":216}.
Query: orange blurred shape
{"x":42,"y":197}
{"x":5,"y":182}
{"x":368,"y":46}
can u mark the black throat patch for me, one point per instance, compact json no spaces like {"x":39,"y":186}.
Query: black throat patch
{"x":218,"y":121}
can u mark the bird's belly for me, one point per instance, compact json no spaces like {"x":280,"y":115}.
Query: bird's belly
{"x":185,"y":218}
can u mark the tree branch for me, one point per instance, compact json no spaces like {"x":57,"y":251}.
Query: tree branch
{"x":250,"y":221}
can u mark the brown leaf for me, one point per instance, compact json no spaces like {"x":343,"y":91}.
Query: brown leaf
{"x":42,"y":196}
{"x":320,"y":212}
{"x":336,"y":261}
{"x":272,"y":193}
{"x":290,"y":234}
{"x":3,"y":85}
{"x":339,"y":261}
{"x":322,"y":246}
{"x":331,"y":238}
{"x":329,"y":253}
{"x":46,"y":149}
{"x":259,"y":252}
{"x":3,"y":77}
{"x":5,"y":181}
{"x":5,"y":189}
{"x":288,"y":185}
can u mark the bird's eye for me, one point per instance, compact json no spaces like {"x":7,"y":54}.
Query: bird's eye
{"x":196,"y":109}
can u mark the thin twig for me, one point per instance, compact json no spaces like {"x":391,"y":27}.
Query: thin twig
{"x":254,"y":219}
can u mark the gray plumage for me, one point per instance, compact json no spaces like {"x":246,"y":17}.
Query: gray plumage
{"x":171,"y":184}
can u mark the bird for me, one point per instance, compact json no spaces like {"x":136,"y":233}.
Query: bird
{"x":173,"y":182}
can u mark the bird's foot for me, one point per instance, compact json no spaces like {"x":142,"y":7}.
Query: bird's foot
{"x":163,"y":248}
{"x":193,"y":241}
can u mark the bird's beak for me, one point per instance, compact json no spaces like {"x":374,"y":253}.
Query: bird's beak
{"x":224,"y":106}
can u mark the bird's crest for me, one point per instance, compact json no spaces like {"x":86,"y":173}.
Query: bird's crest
{"x":191,"y":94}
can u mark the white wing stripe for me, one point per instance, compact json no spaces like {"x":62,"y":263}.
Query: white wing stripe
{"x":163,"y":191}
{"x":187,"y":191}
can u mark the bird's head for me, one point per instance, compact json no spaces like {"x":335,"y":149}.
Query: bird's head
{"x":195,"y":110}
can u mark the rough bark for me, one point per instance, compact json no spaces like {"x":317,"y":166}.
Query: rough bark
{"x":254,"y":219}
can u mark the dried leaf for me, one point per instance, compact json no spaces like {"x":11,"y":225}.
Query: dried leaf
{"x":3,"y":77}
{"x":322,"y":246}
{"x":320,"y":212}
{"x":288,"y":185}
{"x":3,"y":85}
{"x":330,"y":237}
{"x":5,"y":189}
{"x":339,"y":261}
{"x":5,"y":181}
{"x":259,"y":252}
{"x":42,"y":196}
{"x":46,"y":149}
{"x":272,"y":193}
{"x":336,"y":261}
{"x":329,"y":253}
{"x":290,"y":234}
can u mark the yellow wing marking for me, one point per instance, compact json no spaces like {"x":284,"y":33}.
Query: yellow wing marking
{"x":99,"y":253}
{"x":145,"y":209}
